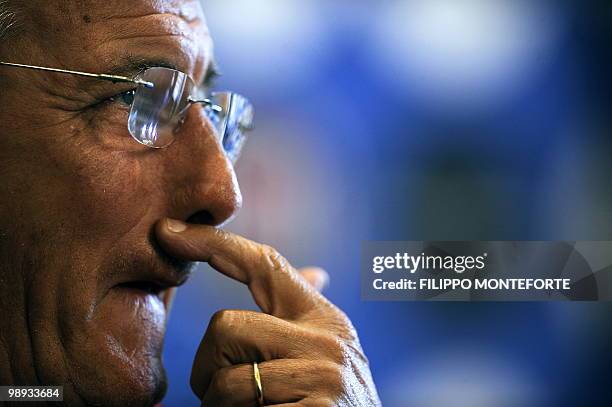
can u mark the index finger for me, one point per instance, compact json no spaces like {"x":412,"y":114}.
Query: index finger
{"x":276,"y":286}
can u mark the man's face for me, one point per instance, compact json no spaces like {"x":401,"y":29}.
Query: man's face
{"x":84,"y":287}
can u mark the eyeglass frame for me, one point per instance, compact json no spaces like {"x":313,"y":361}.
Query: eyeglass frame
{"x":121,"y":79}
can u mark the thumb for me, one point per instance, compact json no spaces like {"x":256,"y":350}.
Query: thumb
{"x":316,"y":277}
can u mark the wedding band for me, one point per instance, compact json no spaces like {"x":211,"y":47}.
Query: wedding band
{"x":258,"y":386}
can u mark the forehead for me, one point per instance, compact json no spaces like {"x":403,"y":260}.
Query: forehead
{"x":96,"y":35}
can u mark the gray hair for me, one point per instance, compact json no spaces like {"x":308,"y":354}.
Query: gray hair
{"x":8,"y":18}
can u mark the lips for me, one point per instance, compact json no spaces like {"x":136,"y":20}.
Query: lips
{"x":144,"y":287}
{"x":150,"y":276}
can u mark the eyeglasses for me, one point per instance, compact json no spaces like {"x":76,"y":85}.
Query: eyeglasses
{"x":161,"y":100}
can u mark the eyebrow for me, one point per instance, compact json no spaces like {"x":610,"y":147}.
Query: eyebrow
{"x":212,"y":74}
{"x":131,"y":65}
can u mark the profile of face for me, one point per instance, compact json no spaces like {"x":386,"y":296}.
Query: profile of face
{"x":84,"y":287}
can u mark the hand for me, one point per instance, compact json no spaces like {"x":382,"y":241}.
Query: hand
{"x":307,"y":349}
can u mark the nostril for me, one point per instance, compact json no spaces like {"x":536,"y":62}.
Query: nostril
{"x":202,"y":218}
{"x":218,"y":208}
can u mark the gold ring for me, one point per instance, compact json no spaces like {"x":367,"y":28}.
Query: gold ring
{"x":258,"y":386}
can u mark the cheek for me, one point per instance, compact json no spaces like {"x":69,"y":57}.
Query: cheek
{"x":112,"y":195}
{"x":112,"y":178}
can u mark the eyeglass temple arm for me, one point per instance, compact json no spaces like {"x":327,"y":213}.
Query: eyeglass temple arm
{"x":102,"y":76}
{"x":206,"y":102}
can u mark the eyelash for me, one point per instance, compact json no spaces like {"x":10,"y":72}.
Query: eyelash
{"x":127,"y":97}
{"x":113,"y":108}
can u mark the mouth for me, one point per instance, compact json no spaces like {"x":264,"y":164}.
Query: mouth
{"x":151,"y":279}
{"x":144,"y":288}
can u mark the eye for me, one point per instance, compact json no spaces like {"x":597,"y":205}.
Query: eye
{"x":126,"y":97}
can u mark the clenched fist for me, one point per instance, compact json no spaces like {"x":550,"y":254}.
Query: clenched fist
{"x":307,"y":350}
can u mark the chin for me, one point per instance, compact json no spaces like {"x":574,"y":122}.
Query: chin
{"x":106,"y":372}
{"x":114,"y":359}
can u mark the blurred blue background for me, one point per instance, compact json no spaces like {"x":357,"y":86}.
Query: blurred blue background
{"x":414,"y":120}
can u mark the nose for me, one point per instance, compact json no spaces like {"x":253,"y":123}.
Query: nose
{"x":205,"y":189}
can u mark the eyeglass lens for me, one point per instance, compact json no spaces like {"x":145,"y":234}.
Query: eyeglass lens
{"x":156,"y":112}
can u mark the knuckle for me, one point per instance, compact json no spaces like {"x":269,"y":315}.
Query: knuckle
{"x":333,"y":375}
{"x":273,"y":258}
{"x":223,"y":323}
{"x":221,"y":235}
{"x":336,"y":349}
{"x":222,"y":319}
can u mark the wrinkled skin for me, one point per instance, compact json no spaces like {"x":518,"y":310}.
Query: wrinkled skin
{"x":88,"y":266}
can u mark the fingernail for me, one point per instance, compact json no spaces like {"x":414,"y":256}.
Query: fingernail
{"x":175,"y":226}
